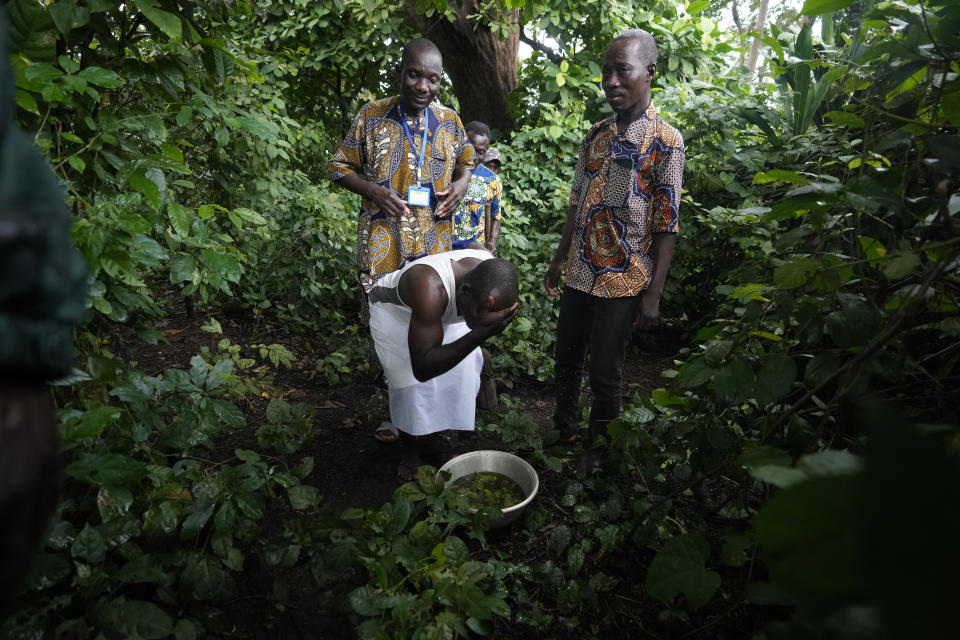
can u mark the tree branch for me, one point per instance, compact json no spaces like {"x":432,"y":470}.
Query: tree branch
{"x":736,"y":17}
{"x":552,"y":55}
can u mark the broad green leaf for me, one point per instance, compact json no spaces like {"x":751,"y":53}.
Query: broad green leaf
{"x":717,"y":351}
{"x":32,"y":30}
{"x":806,"y":533}
{"x":752,"y":291}
{"x":27,"y":102}
{"x":777,"y":475}
{"x":89,"y":545}
{"x":148,"y":187}
{"x":455,"y":551}
{"x":873,"y":249}
{"x":107,"y":469}
{"x":303,"y":497}
{"x":250,"y":216}
{"x":229,"y":413}
{"x":184,"y":115}
{"x":136,"y":619}
{"x":559,"y":540}
{"x":113,"y":503}
{"x":794,"y":273}
{"x":776,"y":377}
{"x":900,"y":264}
{"x":182,"y":269}
{"x":575,"y":558}
{"x":678,"y":569}
{"x":780,"y":175}
{"x":91,"y":424}
{"x":755,"y":454}
{"x":149,"y":248}
{"x":102,"y":77}
{"x":180,"y":218}
{"x":830,"y":462}
{"x":695,"y":373}
{"x":68,"y":16}
{"x":822,"y":366}
{"x":221,"y":136}
{"x":167,"y":22}
{"x":204,"y":577}
{"x":734,"y":382}
{"x":908,"y":84}
{"x":222,"y":264}
{"x":365,"y":600}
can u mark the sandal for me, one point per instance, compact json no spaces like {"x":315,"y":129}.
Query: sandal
{"x":407,"y":467}
{"x":387,"y":432}
{"x":405,"y":473}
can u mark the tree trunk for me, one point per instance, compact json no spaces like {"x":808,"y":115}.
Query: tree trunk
{"x":482,"y":67}
{"x":755,"y":45}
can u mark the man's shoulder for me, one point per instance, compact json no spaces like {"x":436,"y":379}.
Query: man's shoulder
{"x":597,"y":127}
{"x":378,"y":107}
{"x":667,"y":133}
{"x":480,"y":172}
{"x":441,"y":111}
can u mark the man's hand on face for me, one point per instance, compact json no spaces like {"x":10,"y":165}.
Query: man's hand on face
{"x":388,"y":201}
{"x":492,"y":322}
{"x":450,"y":199}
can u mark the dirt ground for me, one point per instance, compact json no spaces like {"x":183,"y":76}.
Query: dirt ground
{"x":352,"y":468}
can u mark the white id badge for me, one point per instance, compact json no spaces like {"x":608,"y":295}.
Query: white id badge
{"x":418,"y":196}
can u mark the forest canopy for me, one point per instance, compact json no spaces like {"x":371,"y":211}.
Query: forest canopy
{"x":792,"y":475}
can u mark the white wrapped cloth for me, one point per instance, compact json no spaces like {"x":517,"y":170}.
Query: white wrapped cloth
{"x":447,"y":401}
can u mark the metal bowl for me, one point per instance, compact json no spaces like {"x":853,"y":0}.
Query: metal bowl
{"x":517,"y":469}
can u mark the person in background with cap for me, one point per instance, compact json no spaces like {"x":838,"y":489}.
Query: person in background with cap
{"x":492,"y":160}
{"x":476,"y":222}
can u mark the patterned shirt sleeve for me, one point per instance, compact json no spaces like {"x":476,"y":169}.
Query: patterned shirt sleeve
{"x":668,"y":180}
{"x":494,"y":193}
{"x":465,"y":151}
{"x":579,"y":175}
{"x":348,"y":157}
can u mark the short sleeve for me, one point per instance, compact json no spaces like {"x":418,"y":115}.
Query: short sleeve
{"x":348,"y":158}
{"x":494,"y":194}
{"x":465,"y":151}
{"x":579,"y":174}
{"x":668,"y":183}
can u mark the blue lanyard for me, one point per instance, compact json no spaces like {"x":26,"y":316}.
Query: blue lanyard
{"x":423,"y":148}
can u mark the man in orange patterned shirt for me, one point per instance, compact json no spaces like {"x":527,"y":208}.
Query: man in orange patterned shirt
{"x":618,"y":239}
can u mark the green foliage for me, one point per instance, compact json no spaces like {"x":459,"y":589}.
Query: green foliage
{"x":287,"y":426}
{"x":815,"y":280}
{"x":159,"y":521}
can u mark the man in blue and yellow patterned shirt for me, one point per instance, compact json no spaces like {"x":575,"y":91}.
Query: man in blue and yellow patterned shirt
{"x":476,"y":223}
{"x":618,"y":240}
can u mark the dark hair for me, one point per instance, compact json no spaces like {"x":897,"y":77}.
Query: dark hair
{"x":479,"y":128}
{"x":646,"y":45}
{"x":416,"y":46}
{"x":495,"y":275}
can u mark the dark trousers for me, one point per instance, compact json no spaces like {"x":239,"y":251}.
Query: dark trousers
{"x":602,"y":327}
